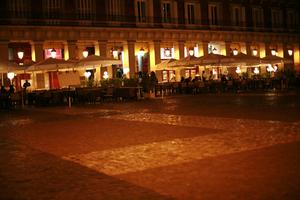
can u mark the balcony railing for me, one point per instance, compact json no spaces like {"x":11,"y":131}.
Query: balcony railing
{"x":100,"y":20}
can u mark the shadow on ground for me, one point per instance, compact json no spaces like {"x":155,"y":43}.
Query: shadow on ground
{"x":26,"y":173}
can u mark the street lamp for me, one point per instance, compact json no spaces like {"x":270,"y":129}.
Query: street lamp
{"x":290,"y":52}
{"x":142,"y":51}
{"x":105,"y":75}
{"x":115,"y":53}
{"x":235,"y":51}
{"x":254,"y":52}
{"x":85,"y":53}
{"x":20,"y":54}
{"x":10,"y":76}
{"x":87,"y":74}
{"x":53,"y":53}
{"x":191,"y":52}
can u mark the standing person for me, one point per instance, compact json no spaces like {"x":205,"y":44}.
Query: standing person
{"x":25,"y":86}
{"x":3,"y":97}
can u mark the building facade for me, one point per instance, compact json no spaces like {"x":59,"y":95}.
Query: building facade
{"x":144,"y":32}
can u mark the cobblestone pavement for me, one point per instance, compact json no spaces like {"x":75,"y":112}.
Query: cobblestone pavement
{"x":190,"y":147}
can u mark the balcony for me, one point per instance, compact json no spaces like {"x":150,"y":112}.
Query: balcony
{"x":101,"y":20}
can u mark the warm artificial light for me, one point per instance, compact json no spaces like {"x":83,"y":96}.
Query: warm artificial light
{"x":85,"y":53}
{"x":87,"y":74}
{"x":235,"y":52}
{"x":10,"y":75}
{"x":238,"y":70}
{"x":20,"y":54}
{"x":254,"y":52}
{"x":53,"y":53}
{"x":273,"y":52}
{"x":142,"y":51}
{"x":191,"y":52}
{"x":256,"y":70}
{"x":290,"y":52}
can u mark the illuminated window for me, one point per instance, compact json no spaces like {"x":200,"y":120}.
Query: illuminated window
{"x":59,"y":53}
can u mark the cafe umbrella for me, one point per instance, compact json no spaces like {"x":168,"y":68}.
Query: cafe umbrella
{"x":165,"y":64}
{"x":94,"y":60}
{"x":52,"y":64}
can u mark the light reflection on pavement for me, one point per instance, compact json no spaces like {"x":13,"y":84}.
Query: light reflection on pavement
{"x":238,"y":135}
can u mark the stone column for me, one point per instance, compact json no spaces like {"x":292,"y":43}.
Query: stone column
{"x":296,"y":52}
{"x":103,"y":48}
{"x":205,"y":48}
{"x":71,"y":44}
{"x":180,"y":49}
{"x":248,"y":48}
{"x":4,"y":50}
{"x":267,"y":49}
{"x":129,"y":58}
{"x":262,"y":50}
{"x":97,"y":48}
{"x":154,"y":54}
{"x":37,"y":51}
{"x":227,"y":48}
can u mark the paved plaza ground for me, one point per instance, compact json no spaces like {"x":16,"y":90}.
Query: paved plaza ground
{"x":209,"y":146}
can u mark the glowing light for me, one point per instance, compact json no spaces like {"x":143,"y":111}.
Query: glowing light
{"x":20,"y":54}
{"x":270,"y":68}
{"x":85,"y":53}
{"x":290,"y":52}
{"x":105,"y":75}
{"x":238,"y":70}
{"x":87,"y":74}
{"x":53,"y":53}
{"x":273,"y":52}
{"x":235,"y":52}
{"x":142,"y":51}
{"x":125,"y":70}
{"x":191,"y":52}
{"x":256,"y":70}
{"x":214,"y":72}
{"x":275,"y":68}
{"x":115,"y":53}
{"x":254,"y":52}
{"x":10,"y":75}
